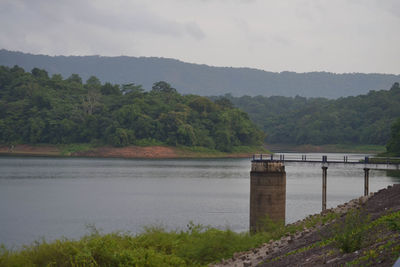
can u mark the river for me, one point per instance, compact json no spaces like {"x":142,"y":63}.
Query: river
{"x":52,"y":198}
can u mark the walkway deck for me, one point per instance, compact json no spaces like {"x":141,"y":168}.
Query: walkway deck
{"x":375,"y":163}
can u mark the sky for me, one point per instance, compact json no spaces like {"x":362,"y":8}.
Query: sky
{"x":340,"y":36}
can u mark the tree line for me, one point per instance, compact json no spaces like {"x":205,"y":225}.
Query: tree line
{"x":363,"y":119}
{"x":36,"y":108}
{"x":393,"y":146}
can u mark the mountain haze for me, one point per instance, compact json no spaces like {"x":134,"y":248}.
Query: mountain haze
{"x":190,"y":78}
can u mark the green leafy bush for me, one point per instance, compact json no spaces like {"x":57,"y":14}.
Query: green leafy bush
{"x":351,"y":233}
{"x":196,"y":246}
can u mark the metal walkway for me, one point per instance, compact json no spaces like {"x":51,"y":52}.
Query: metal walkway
{"x":366,"y":163}
{"x":375,"y":163}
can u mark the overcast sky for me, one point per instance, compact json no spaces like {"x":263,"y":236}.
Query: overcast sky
{"x":294,"y":35}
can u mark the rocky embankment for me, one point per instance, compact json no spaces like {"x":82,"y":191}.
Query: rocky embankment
{"x":317,"y":245}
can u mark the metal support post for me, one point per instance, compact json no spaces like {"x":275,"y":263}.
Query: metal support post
{"x":366,"y":181}
{"x":324,"y":174}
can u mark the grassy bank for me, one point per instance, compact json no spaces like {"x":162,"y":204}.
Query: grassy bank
{"x":339,"y":236}
{"x":333,"y":148}
{"x":196,"y":246}
{"x":69,"y":149}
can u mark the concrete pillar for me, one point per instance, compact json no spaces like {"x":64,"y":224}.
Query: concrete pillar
{"x":267,"y":193}
{"x":366,"y":181}
{"x":324,"y":176}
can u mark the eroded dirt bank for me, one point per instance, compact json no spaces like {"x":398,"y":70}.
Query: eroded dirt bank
{"x":130,"y":152}
{"x":149,"y":152}
{"x":28,"y":150}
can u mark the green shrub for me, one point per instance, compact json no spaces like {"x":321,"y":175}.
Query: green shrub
{"x":393,"y":222}
{"x":196,"y":246}
{"x":69,"y":149}
{"x":351,"y":233}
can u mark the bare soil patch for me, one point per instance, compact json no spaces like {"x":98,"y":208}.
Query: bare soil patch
{"x":148,"y":152}
{"x":153,"y":152}
{"x":28,"y":150}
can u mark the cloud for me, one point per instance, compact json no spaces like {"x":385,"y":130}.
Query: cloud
{"x":391,"y":6}
{"x":43,"y":23}
{"x":298,"y":35}
{"x":194,"y":30}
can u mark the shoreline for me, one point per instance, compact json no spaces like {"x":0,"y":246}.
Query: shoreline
{"x":169,"y":152}
{"x":128,"y":152}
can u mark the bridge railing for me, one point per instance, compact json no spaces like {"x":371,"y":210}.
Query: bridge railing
{"x":326,"y":158}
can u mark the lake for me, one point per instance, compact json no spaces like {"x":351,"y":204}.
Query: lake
{"x":55,"y":197}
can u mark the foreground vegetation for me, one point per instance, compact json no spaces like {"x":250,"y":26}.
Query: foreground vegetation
{"x":196,"y":246}
{"x":200,"y":246}
{"x":36,"y":108}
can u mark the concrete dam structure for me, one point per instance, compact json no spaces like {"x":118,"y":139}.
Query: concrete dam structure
{"x":268,"y":181}
{"x":267,"y":193}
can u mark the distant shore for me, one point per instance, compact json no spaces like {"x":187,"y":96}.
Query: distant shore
{"x":138,"y":152}
{"x":169,"y":152}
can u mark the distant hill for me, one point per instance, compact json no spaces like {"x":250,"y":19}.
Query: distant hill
{"x":190,"y":78}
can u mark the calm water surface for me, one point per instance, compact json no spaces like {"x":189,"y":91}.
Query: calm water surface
{"x":54,"y":197}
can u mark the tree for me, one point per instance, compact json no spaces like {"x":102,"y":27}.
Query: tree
{"x":202,"y":105}
{"x":122,"y":137}
{"x":163,"y":87}
{"x":34,"y":109}
{"x":75,"y":78}
{"x":131,"y":88}
{"x":91,"y":102}
{"x":224,"y":103}
{"x":393,"y":146}
{"x":93,"y":83}
{"x":40,"y":74}
{"x":109,"y":89}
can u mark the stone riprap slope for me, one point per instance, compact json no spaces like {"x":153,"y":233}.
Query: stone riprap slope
{"x":317,"y":245}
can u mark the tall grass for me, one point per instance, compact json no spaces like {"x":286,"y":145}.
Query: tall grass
{"x":197,"y":245}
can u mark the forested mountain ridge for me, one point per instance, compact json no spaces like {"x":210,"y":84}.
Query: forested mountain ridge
{"x":36,"y":108}
{"x":202,"y":79}
{"x":363,"y":119}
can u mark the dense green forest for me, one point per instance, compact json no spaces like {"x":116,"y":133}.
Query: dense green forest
{"x":36,"y":108}
{"x":363,"y":119}
{"x":393,"y":146}
{"x":202,"y":79}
